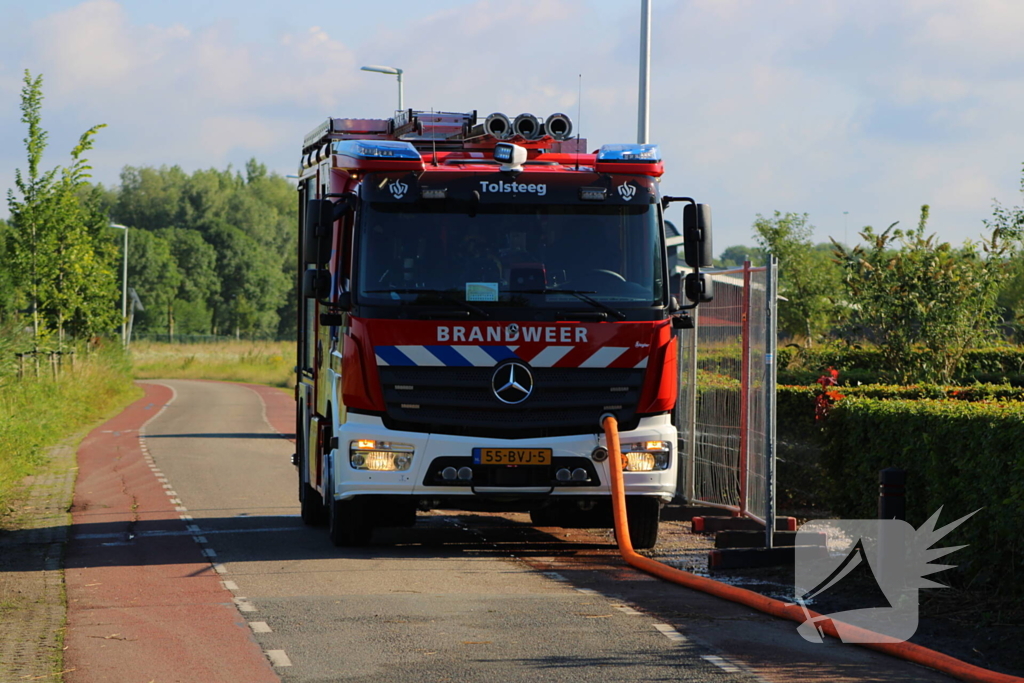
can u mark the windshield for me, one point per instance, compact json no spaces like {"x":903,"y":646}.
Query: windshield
{"x":510,"y":254}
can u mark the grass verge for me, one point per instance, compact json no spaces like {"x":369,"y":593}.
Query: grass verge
{"x":270,"y":363}
{"x":37,"y":413}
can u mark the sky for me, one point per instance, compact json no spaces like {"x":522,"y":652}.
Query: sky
{"x":855,"y":113}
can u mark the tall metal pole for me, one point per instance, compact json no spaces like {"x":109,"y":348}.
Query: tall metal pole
{"x":124,"y":285}
{"x":643,"y":117}
{"x":391,"y":71}
{"x":124,"y":291}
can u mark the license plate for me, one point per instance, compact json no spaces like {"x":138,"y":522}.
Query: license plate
{"x":512,"y":456}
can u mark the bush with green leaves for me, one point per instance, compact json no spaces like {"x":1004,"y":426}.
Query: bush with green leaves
{"x":924,"y":302}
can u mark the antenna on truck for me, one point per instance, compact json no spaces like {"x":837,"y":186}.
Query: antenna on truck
{"x":579,"y":118}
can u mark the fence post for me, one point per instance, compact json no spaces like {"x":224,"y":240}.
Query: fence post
{"x":744,"y":389}
{"x":771,"y":365}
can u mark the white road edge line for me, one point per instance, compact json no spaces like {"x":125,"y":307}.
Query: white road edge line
{"x":229,"y":585}
{"x":627,"y":609}
{"x":259,"y":627}
{"x":278,"y":658}
{"x":722,"y":663}
{"x":672,"y":634}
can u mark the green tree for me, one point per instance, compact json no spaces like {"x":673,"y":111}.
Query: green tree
{"x":29,"y":215}
{"x":58,"y":251}
{"x":253,"y":284}
{"x":154,"y":274}
{"x":925,"y":301}
{"x":8,"y":306}
{"x":808,"y":278}
{"x":733,"y":257}
{"x":231,"y":236}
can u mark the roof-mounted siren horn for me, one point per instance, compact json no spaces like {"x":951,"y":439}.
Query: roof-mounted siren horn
{"x":498,"y":125}
{"x":528,"y":127}
{"x":558,"y":126}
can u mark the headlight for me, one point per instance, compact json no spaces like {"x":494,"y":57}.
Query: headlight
{"x":380,"y":456}
{"x":647,"y":456}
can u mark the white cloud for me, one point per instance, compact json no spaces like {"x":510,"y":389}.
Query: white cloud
{"x":806,"y":105}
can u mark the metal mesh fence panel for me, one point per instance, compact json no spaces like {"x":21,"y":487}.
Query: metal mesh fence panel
{"x":724,"y":420}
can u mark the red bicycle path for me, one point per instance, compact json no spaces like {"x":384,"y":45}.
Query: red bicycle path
{"x":141,"y":607}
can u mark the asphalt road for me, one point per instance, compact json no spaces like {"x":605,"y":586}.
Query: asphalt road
{"x":456,"y":598}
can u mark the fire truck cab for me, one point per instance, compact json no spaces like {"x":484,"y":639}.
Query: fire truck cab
{"x":475,"y":296}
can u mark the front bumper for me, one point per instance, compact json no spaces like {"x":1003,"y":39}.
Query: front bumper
{"x":437,"y":450}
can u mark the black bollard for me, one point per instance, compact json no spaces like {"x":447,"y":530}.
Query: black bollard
{"x":892,"y":493}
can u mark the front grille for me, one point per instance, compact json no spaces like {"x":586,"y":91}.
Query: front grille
{"x":460,"y":401}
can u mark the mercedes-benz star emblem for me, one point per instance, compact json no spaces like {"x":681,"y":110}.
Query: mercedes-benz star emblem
{"x":512,"y":383}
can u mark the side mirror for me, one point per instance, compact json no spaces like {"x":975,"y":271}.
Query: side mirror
{"x":697,"y":249}
{"x":699,"y":287}
{"x":319,"y":234}
{"x":316,"y":284}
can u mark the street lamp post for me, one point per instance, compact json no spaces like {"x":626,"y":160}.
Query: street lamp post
{"x":391,"y":71}
{"x":124,"y":286}
{"x":643,"y":116}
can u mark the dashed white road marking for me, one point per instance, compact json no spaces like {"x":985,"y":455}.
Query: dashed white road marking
{"x":627,"y":610}
{"x":721,"y":663}
{"x":587,"y":591}
{"x":201,"y":540}
{"x":220,"y":568}
{"x":554,"y":576}
{"x":670,"y":633}
{"x":209,"y":552}
{"x":259,"y":627}
{"x":186,"y":518}
{"x":278,"y":658}
{"x":229,"y":585}
{"x":244,"y":605}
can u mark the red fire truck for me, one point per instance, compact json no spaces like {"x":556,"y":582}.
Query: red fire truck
{"x":475,"y":296}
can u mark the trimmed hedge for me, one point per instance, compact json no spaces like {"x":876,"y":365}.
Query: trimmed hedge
{"x":795,"y":404}
{"x":803,"y":365}
{"x":959,"y":455}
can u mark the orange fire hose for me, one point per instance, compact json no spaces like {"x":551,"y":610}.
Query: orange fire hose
{"x":908,"y":651}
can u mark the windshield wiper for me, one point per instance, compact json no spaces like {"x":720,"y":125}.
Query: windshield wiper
{"x":439,"y":293}
{"x":582,"y":296}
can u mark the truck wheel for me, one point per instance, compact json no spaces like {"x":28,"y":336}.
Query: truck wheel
{"x":348,"y":523}
{"x":643,"y":515}
{"x":311,"y":503}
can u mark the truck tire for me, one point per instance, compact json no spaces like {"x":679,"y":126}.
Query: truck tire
{"x":643,"y":515}
{"x":348,"y":523}
{"x":311,"y":503}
